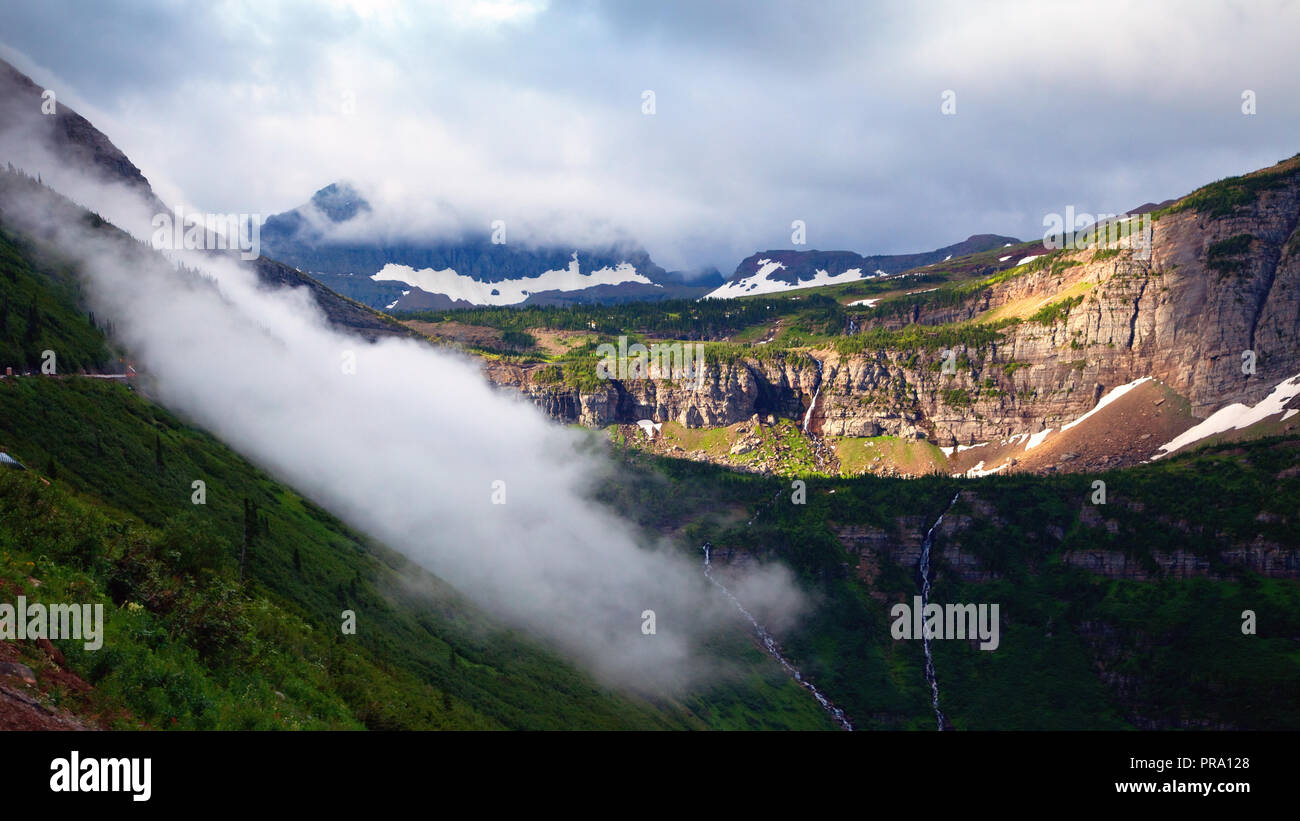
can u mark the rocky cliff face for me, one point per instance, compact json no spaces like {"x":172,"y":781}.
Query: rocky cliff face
{"x":1213,"y":289}
{"x":728,"y":393}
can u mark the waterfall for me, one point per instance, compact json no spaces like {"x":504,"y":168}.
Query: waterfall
{"x":925,"y":599}
{"x":757,"y":513}
{"x":807,"y":417}
{"x":773,"y":650}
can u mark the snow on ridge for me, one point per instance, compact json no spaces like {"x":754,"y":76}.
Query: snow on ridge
{"x":761,"y":282}
{"x":508,"y":291}
{"x":1115,"y":393}
{"x":949,"y":451}
{"x":1106,"y":400}
{"x":978,"y":471}
{"x":1037,"y":439}
{"x":393,"y":304}
{"x":1237,"y":416}
{"x":1029,"y":259}
{"x":869,"y":303}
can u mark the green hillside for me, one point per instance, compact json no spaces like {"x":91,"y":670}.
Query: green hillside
{"x":1078,"y":650}
{"x":194,"y":645}
{"x":227,"y":614}
{"x":40,"y":310}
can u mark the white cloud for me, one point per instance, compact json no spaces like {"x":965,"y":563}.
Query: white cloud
{"x":766,"y":112}
{"x":408,"y":448}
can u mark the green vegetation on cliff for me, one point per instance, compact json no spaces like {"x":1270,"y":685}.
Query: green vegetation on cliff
{"x":1078,"y":650}
{"x":41,"y":309}
{"x":1224,"y":197}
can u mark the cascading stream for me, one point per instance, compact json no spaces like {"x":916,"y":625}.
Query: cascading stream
{"x":807,"y":417}
{"x":772,"y":649}
{"x":822,"y":455}
{"x":759,"y":512}
{"x":925,"y":599}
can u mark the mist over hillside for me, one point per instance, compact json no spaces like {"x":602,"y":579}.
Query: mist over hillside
{"x":538,"y":365}
{"x":482,"y":491}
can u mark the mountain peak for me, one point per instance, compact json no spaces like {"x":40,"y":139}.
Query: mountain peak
{"x":340,"y":201}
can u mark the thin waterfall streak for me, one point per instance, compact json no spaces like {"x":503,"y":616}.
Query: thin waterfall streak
{"x":770,"y":643}
{"x":930,"y":677}
{"x":807,"y":417}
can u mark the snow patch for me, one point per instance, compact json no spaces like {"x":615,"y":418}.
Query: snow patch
{"x":508,"y":291}
{"x":1237,"y":416}
{"x":391,"y":305}
{"x":870,"y":303}
{"x":761,"y":282}
{"x":1037,"y":439}
{"x":1107,"y":399}
{"x":978,"y":470}
{"x":1029,"y":259}
{"x":960,"y":448}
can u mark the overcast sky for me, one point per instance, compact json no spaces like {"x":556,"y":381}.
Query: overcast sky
{"x":532,"y":111}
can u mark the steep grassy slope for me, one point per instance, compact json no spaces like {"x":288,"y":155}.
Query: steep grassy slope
{"x":118,"y":520}
{"x":40,"y":309}
{"x":186,"y":645}
{"x":193,"y":645}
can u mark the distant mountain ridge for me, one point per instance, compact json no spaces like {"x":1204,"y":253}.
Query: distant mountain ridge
{"x":34,"y":142}
{"x":449,"y":272}
{"x":297,"y":237}
{"x":773,"y":271}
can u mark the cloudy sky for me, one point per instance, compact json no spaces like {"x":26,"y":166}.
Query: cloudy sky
{"x":533,"y":111}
